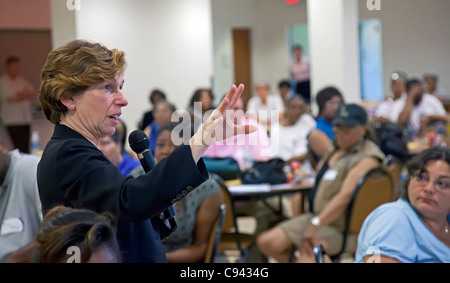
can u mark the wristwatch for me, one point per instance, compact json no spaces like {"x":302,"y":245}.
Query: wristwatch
{"x":315,"y":221}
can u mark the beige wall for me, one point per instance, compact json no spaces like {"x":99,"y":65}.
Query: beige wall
{"x":416,"y":36}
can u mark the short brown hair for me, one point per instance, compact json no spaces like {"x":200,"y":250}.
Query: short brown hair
{"x":73,"y":68}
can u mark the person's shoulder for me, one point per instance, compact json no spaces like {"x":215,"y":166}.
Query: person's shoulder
{"x":24,"y":162}
{"x":429,"y":99}
{"x":307,"y":118}
{"x":371,"y":148}
{"x":391,"y":215}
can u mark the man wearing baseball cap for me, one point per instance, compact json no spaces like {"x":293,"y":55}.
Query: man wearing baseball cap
{"x":352,"y":155}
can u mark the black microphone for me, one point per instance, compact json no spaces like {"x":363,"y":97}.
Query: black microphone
{"x":139,"y":143}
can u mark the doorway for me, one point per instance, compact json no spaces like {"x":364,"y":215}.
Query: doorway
{"x":242,"y":61}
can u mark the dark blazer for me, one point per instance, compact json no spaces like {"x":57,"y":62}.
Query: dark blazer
{"x":73,"y":172}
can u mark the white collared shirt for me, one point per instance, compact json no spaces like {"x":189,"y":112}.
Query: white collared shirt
{"x":429,"y":105}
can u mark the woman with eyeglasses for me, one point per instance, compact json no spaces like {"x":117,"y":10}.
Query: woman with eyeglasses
{"x":415,"y":228}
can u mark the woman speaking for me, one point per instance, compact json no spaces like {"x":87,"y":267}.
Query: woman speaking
{"x":81,"y":93}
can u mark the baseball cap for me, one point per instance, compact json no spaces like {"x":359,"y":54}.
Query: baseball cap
{"x":350,"y":115}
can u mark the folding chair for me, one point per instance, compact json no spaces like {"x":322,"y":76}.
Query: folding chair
{"x":231,"y":238}
{"x":373,"y":190}
{"x":214,"y":237}
{"x":394,"y":166}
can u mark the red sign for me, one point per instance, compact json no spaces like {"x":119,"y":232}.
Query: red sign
{"x":291,"y":2}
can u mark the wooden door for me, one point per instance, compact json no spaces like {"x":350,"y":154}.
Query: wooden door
{"x":242,"y":61}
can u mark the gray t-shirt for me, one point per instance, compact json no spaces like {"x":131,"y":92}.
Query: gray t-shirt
{"x":23,"y":214}
{"x":186,"y":215}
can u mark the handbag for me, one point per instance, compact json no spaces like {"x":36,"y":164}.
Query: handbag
{"x":225,"y":167}
{"x":392,"y":139}
{"x":270,"y":171}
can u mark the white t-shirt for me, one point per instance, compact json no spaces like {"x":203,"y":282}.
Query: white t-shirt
{"x":255,"y":108}
{"x":429,"y":105}
{"x":384,"y":109}
{"x":23,"y":213}
{"x":14,"y":113}
{"x":292,"y":141}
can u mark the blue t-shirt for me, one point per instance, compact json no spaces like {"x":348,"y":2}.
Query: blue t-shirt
{"x":128,"y":164}
{"x":395,"y":230}
{"x":325,"y":126}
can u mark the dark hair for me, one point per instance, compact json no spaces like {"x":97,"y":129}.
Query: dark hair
{"x":294,"y":97}
{"x":295,"y":46}
{"x":165,"y":102}
{"x":326,"y":94}
{"x":284,"y":83}
{"x":182,"y":135}
{"x":197,"y":95}
{"x":11,"y":59}
{"x":154,"y":93}
{"x":411,"y":83}
{"x":64,"y":227}
{"x":419,"y":162}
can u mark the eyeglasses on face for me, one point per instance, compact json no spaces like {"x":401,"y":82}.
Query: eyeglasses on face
{"x":441,"y":184}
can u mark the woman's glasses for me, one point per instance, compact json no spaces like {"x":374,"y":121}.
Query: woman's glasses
{"x":441,"y":184}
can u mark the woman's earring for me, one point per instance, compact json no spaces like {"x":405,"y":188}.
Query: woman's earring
{"x":71,"y":106}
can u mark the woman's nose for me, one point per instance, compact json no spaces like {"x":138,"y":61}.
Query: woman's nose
{"x":121,"y":99}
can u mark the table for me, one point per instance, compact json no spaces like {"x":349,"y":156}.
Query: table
{"x":264,"y":191}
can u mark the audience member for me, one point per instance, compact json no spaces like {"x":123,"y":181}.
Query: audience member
{"x":112,"y":147}
{"x":328,"y":99}
{"x":418,"y":109}
{"x":163,"y":114}
{"x":155,"y":96}
{"x":351,"y":157}
{"x":81,"y":93}
{"x":69,"y":235}
{"x":265,"y":107}
{"x":300,"y":73}
{"x":244,"y":148}
{"x":20,"y":207}
{"x":398,"y":87}
{"x":432,"y":86}
{"x":205,"y":99}
{"x":415,"y":228}
{"x":16,"y":95}
{"x":195,"y":214}
{"x":284,"y":89}
{"x":293,"y":131}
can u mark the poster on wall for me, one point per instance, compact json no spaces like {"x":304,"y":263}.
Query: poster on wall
{"x":371,"y":60}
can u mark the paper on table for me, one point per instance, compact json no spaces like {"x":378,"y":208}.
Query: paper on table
{"x":249,"y":188}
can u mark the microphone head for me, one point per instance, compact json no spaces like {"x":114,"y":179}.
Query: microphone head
{"x":138,"y":141}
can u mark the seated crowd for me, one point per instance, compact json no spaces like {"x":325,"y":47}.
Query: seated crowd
{"x":337,"y":146}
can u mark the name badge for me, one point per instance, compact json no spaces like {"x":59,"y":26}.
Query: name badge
{"x":330,"y":175}
{"x":12,"y":225}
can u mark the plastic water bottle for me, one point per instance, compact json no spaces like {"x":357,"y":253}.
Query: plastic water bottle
{"x":440,"y":136}
{"x":35,"y":147}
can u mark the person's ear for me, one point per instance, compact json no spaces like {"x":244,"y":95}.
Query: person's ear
{"x":69,"y":103}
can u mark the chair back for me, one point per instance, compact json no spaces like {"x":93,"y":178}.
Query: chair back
{"x":394,"y":167}
{"x":214,"y":236}
{"x":373,"y":190}
{"x":229,"y":221}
